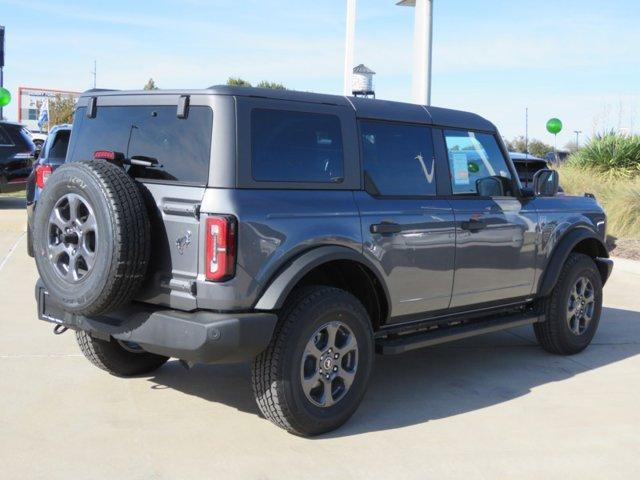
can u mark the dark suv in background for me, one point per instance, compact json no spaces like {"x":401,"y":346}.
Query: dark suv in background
{"x":51,"y":156}
{"x":17,"y":153}
{"x":303,"y":232}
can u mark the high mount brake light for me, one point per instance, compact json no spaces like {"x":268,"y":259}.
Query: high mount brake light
{"x":108,"y":155}
{"x":220,"y":248}
{"x":43,"y":172}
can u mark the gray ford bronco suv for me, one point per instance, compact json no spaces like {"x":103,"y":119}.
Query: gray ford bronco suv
{"x":305,"y":233}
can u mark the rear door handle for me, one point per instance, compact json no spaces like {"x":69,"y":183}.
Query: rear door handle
{"x":385,"y":228}
{"x":473,"y":225}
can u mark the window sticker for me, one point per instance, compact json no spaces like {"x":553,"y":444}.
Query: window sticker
{"x":460,"y":169}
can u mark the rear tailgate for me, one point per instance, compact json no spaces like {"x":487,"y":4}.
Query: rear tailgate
{"x":173,"y":154}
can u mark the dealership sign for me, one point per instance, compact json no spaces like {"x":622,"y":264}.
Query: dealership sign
{"x":31,"y":100}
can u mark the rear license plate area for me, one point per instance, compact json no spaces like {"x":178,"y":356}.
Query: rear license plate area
{"x":48,"y":310}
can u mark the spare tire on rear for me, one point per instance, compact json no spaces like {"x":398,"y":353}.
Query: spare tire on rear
{"x":91,"y":237}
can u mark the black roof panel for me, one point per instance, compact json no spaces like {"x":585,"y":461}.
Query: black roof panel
{"x":364,"y":107}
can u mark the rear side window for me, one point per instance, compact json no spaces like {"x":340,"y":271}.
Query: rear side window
{"x":179,"y":148}
{"x":58,"y":150}
{"x":398,"y":159}
{"x":473,"y":156}
{"x":5,"y":139}
{"x":291,"y":146}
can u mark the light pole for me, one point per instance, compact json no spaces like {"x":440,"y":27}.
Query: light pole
{"x":349,"y":47}
{"x":577,"y":132}
{"x":422,"y":49}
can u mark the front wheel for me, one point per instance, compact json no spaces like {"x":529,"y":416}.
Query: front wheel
{"x":314,"y":373}
{"x":573,"y":309}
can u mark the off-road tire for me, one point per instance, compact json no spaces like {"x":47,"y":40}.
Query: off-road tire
{"x":123,"y":240}
{"x":111,"y":357}
{"x":29,"y":241}
{"x":554,"y":334}
{"x":276,"y":371}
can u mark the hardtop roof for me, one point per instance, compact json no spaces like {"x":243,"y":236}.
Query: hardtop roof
{"x":365,"y":108}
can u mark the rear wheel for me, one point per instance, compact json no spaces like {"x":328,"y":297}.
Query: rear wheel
{"x":314,"y":373}
{"x":573,"y":309}
{"x":118,"y":358}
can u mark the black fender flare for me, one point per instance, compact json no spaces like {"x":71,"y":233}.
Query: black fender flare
{"x":281,"y":285}
{"x":561,"y":252}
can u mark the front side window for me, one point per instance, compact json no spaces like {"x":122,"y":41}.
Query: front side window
{"x":290,"y":146}
{"x":398,"y":159}
{"x":473,"y":156}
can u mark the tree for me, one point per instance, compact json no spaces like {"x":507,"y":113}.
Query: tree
{"x":539,"y":149}
{"x":61,"y":110}
{"x":150,"y":85}
{"x":238,"y":82}
{"x":536,"y":147}
{"x":518,"y":144}
{"x":271,"y":85}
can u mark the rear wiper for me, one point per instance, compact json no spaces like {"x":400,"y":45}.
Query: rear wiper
{"x":141,"y":160}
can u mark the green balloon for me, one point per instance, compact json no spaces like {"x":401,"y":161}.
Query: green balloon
{"x":554,"y":126}
{"x":5,"y":97}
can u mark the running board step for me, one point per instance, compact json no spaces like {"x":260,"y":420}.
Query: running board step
{"x":401,"y":344}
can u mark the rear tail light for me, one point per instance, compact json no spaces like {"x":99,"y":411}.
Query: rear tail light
{"x":43,"y":172}
{"x":220,"y":248}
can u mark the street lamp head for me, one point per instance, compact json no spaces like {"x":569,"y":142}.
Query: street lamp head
{"x":406,"y":3}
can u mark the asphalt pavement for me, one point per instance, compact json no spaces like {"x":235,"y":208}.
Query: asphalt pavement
{"x":491,"y":407}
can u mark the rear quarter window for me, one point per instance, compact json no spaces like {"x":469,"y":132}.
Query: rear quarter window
{"x":294,"y":146}
{"x":180,"y":147}
{"x":5,"y":138}
{"x":57,"y":151}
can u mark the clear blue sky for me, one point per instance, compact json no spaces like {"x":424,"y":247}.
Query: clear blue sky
{"x":578,"y":60}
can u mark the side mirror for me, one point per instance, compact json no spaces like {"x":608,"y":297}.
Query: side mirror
{"x":546,"y":183}
{"x":489,"y":187}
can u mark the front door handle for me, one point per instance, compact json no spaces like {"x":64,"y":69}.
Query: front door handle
{"x":385,"y":228}
{"x":473,"y":225}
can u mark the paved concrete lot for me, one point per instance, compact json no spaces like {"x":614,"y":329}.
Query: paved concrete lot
{"x":493,"y":407}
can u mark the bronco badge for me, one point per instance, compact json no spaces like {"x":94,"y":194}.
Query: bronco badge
{"x":183,"y":242}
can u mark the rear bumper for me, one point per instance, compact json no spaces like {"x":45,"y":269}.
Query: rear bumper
{"x":197,"y":337}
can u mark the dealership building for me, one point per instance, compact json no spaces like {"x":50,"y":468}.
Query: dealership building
{"x":30,"y":101}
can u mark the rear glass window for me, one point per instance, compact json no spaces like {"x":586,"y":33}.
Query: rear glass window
{"x":398,"y":159}
{"x":179,"y":148}
{"x":288,"y":146}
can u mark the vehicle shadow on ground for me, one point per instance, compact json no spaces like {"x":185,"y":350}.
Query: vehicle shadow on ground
{"x":435,"y":383}
{"x":12,"y":203}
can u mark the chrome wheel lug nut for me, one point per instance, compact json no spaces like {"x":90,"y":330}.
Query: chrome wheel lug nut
{"x":335,"y":369}
{"x":327,"y":376}
{"x":336,"y":356}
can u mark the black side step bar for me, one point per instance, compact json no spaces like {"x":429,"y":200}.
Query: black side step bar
{"x":404,"y":343}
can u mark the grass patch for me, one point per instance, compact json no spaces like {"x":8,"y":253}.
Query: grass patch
{"x":618,"y":194}
{"x":612,"y":156}
{"x":21,"y":194}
